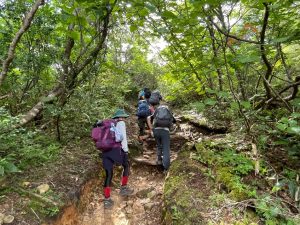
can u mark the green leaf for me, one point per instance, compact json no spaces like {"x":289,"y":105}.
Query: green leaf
{"x":294,"y":130}
{"x":73,"y":34}
{"x":281,"y":126}
{"x":133,"y":28}
{"x":81,"y":1}
{"x":150,"y":7}
{"x":246,"y":105}
{"x":281,"y":39}
{"x":11,"y":168}
{"x":248,"y":58}
{"x":295,"y":115}
{"x":210,"y":91}
{"x":282,"y":142}
{"x":168,"y":14}
{"x":284,"y":120}
{"x":292,"y":123}
{"x":210,"y":102}
{"x":296,"y":102}
{"x":234,"y":105}
{"x":162,"y":30}
{"x":1,"y":170}
{"x":144,"y":12}
{"x":223,"y":94}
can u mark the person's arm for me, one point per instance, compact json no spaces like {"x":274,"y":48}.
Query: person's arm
{"x":149,"y":122}
{"x":122,"y":129}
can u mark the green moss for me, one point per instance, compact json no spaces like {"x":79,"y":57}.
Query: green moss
{"x":238,"y":190}
{"x":205,"y":155}
{"x":178,"y":197}
{"x":187,"y":117}
{"x":172,"y":184}
{"x":219,"y":162}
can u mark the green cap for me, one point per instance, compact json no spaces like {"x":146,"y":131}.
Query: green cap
{"x":120,"y":113}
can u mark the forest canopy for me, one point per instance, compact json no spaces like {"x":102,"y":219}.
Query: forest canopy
{"x":66,"y":63}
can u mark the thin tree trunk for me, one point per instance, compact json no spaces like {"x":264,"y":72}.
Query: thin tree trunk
{"x":215,"y":56}
{"x":67,"y":81}
{"x":263,"y":52}
{"x":11,"y":51}
{"x":287,"y":69}
{"x":58,"y":128}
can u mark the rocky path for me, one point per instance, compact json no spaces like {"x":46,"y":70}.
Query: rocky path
{"x":145,"y":205}
{"x":141,"y":208}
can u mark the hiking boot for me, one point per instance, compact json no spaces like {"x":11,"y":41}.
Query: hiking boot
{"x":126,"y":191}
{"x":108,"y":203}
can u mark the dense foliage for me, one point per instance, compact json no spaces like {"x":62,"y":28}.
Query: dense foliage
{"x":67,"y":63}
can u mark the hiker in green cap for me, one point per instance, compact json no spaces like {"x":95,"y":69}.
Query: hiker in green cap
{"x":117,"y":155}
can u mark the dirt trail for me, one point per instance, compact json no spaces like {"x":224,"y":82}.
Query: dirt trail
{"x":145,"y":205}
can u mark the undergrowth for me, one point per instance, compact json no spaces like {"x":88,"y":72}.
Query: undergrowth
{"x":271,"y":199}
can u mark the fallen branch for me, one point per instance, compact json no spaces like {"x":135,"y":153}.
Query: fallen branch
{"x":37,"y":196}
{"x":5,"y":96}
{"x":277,"y":95}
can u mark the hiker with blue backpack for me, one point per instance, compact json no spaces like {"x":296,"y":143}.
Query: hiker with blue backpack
{"x":110,"y":137}
{"x":144,"y":94}
{"x":160,"y":123}
{"x":143,"y":111}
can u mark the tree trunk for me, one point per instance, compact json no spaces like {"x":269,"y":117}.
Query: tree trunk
{"x":263,"y":52}
{"x":67,"y":81}
{"x":11,"y":51}
{"x":215,"y":55}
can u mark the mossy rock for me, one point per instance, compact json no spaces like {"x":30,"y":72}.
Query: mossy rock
{"x":237,"y":190}
{"x":205,"y":125}
{"x":182,"y":198}
{"x":207,"y":154}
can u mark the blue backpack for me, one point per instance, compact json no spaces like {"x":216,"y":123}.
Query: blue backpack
{"x":143,"y":109}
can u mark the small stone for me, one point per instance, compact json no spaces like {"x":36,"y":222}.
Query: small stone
{"x":129,"y":210}
{"x":8,"y":219}
{"x":192,"y":174}
{"x":123,"y":205}
{"x":138,"y":208}
{"x":43,"y":188}
{"x":26,"y":184}
{"x":149,"y":205}
{"x":151,"y":194}
{"x":145,"y":201}
{"x":1,"y":218}
{"x":143,"y":193}
{"x":130,"y":203}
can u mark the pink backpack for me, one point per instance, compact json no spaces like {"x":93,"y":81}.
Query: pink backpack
{"x":104,"y":135}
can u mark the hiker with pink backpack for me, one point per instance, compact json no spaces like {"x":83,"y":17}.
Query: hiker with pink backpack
{"x":110,"y":137}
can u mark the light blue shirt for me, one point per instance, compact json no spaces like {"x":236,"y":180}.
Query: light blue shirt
{"x":121,"y":127}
